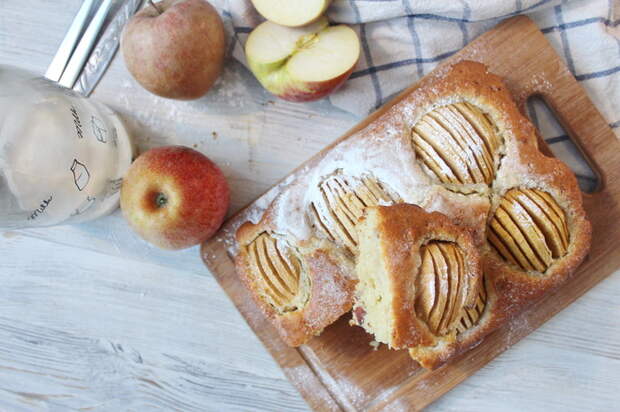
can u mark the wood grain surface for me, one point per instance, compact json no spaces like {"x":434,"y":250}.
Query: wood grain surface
{"x":341,"y":361}
{"x":92,"y":318}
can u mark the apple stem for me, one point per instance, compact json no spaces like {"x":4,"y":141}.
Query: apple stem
{"x":155,"y":6}
{"x":161,"y":200}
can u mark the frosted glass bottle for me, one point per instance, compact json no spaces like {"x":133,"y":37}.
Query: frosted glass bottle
{"x":62,"y":156}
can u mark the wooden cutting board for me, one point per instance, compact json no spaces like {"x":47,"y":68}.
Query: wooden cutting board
{"x":339,"y":370}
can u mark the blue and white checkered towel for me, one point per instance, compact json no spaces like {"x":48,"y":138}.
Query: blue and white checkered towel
{"x":402,"y":40}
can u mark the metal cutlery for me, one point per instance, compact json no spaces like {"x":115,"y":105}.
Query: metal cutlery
{"x":106,"y":47}
{"x":84,"y":54}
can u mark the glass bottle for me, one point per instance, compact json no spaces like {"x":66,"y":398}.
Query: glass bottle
{"x":62,"y":156}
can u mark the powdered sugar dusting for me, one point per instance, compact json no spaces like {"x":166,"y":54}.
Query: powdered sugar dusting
{"x":354,"y":393}
{"x":399,"y":405}
{"x":327,"y":379}
{"x":386,"y":154}
{"x":301,"y":376}
{"x":537,"y":84}
{"x":253,"y":213}
{"x":518,"y":327}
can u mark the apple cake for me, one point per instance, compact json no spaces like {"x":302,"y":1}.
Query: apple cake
{"x":455,"y":144}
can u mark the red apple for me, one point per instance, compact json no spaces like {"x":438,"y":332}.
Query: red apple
{"x":175,"y":48}
{"x":174,"y":197}
{"x":302,"y":63}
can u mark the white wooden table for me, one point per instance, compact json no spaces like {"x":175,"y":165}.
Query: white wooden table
{"x":92,"y":318}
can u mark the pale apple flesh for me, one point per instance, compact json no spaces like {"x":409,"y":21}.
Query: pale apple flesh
{"x":292,"y":13}
{"x":305,"y":63}
{"x":174,"y":197}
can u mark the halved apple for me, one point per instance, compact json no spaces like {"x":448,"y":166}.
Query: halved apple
{"x":304,"y":63}
{"x":291,"y":13}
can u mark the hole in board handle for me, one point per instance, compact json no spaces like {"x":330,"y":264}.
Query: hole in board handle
{"x":554,"y":140}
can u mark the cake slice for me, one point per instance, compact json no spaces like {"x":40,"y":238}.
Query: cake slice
{"x":418,"y":276}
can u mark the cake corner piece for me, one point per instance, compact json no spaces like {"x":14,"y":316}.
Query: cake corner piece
{"x":301,"y":287}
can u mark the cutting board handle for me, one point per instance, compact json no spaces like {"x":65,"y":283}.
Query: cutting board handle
{"x":579,"y":117}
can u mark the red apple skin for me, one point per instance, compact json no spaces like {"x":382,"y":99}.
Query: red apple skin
{"x":196,"y":192}
{"x":316,"y":90}
{"x":177,"y":54}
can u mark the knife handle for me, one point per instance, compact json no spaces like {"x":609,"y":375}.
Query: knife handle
{"x":62,"y":56}
{"x":84,"y":47}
